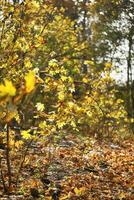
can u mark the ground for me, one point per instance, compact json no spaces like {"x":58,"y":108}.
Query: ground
{"x":76,"y":168}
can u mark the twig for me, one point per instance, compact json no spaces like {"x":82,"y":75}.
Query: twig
{"x":8,"y":157}
{"x":22,"y":161}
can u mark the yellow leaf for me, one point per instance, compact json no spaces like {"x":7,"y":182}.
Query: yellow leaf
{"x":40,"y":106}
{"x":79,"y":191}
{"x":122,"y":195}
{"x":43,"y":124}
{"x":63,"y":78}
{"x":70,"y":104}
{"x":73,"y":124}
{"x":27,"y":63}
{"x":25,"y":134}
{"x":35,"y":5}
{"x":30,"y":81}
{"x":60,"y":124}
{"x":19,"y":143}
{"x":85,"y":80}
{"x":108,"y":65}
{"x":7,"y":89}
{"x":61,"y":95}
{"x":64,"y":197}
{"x":88,"y":62}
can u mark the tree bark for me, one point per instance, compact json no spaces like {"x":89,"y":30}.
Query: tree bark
{"x":129,"y":75}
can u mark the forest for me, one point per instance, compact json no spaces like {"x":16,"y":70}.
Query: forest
{"x":66,"y":99}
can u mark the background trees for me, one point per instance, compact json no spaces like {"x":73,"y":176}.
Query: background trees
{"x":113,"y":33}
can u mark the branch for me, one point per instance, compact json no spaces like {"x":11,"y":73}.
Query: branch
{"x":8,"y":160}
{"x":22,"y":161}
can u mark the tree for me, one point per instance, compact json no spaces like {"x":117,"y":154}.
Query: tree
{"x":112,"y":37}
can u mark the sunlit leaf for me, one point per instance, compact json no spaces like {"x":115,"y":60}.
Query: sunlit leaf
{"x":61,"y":96}
{"x":40,"y":106}
{"x":30,"y":81}
{"x":79,"y":191}
{"x":25,"y":134}
{"x":7,"y":89}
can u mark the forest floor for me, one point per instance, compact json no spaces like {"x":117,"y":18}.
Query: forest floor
{"x":76,"y":169}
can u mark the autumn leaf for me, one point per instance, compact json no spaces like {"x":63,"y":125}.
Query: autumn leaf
{"x":85,"y":80}
{"x":25,"y":134}
{"x":7,"y":89}
{"x":30,"y":81}
{"x":40,"y":106}
{"x":79,"y":191}
{"x":122,"y":196}
{"x":61,"y":96}
{"x":108,"y":65}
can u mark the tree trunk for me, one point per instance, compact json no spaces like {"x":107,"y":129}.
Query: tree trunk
{"x":129,"y":76}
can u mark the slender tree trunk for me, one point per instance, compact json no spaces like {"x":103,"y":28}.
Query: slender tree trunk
{"x":8,"y":157}
{"x":129,"y":76}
